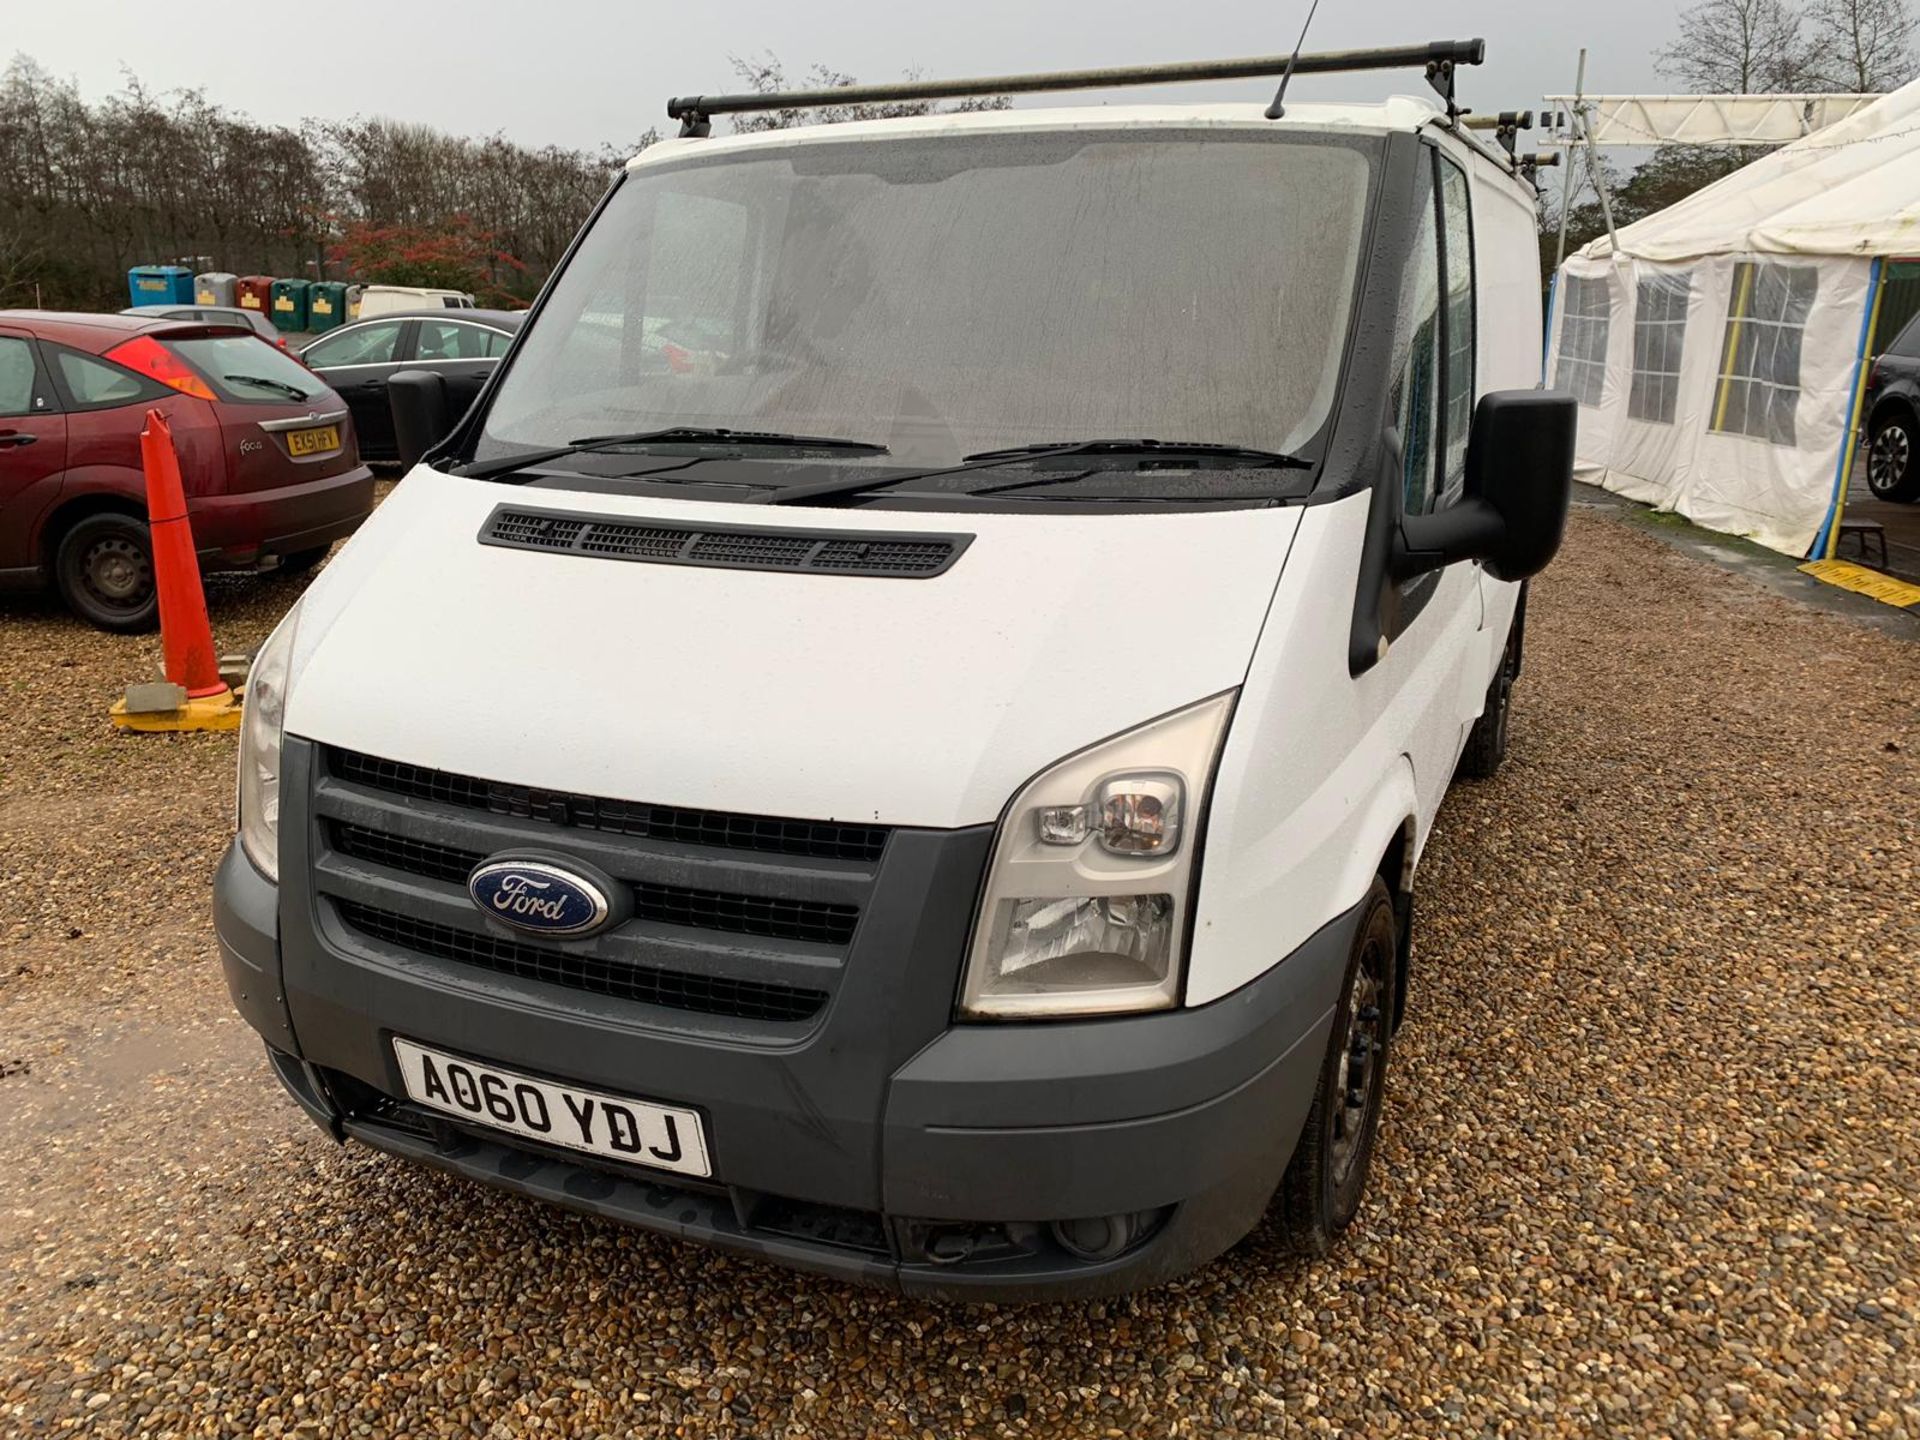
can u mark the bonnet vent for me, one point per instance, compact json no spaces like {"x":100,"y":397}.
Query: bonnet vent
{"x":729,"y":547}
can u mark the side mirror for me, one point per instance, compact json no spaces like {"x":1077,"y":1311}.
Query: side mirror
{"x":418,"y":399}
{"x":1519,"y":482}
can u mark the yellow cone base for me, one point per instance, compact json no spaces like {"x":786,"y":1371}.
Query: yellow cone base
{"x":211,"y":712}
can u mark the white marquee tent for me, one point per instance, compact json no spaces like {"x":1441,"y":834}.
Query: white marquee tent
{"x":1717,"y":353}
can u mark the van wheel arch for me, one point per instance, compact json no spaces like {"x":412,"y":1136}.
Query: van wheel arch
{"x":1396,"y":871}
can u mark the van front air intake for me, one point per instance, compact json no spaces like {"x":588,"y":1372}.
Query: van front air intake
{"x":884,"y":554}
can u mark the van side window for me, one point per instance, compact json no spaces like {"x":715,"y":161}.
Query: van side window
{"x":1456,"y":255}
{"x":1417,"y":354}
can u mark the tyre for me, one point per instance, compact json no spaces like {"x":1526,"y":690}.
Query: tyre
{"x":1487,"y":740}
{"x":1320,"y":1193}
{"x":1891,"y":471}
{"x":301,"y":561}
{"x":103,"y":569}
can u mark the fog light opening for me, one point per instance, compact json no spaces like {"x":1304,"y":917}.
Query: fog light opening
{"x":1104,"y":1237}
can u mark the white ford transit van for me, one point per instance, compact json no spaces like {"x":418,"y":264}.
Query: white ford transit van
{"x":386,"y":299}
{"x":934,"y":792}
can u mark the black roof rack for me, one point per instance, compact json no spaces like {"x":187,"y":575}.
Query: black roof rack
{"x":1437,"y":58}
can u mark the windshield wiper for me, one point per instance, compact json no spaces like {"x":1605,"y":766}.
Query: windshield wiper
{"x":1207,"y":449}
{"x":672,"y":435}
{"x":265,"y":384}
{"x":988,"y":459}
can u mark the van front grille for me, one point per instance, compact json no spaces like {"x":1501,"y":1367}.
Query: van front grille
{"x":676,"y":989}
{"x":819,"y":839}
{"x":736,"y":918}
{"x":665,"y":904}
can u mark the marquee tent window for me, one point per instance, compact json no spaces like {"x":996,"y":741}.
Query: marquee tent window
{"x":1760,"y":366}
{"x":1659,"y":337}
{"x":1583,"y":339}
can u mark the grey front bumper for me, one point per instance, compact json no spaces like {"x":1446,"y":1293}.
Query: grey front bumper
{"x":937,"y":1178}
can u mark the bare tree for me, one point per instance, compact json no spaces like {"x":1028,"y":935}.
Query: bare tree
{"x":764,"y":75}
{"x":88,"y":188}
{"x":1739,"y":47}
{"x":1862,"y":45}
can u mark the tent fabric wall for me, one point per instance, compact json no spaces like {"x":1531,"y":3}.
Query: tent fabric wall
{"x":1775,"y":493}
{"x":1835,"y":203}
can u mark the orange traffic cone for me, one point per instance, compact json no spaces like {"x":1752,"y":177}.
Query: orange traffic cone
{"x":186,"y":636}
{"x":194,"y":697}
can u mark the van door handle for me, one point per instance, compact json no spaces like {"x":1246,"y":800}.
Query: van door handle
{"x":15,"y":437}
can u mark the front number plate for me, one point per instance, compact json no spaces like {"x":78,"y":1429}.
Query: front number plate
{"x":301,"y":443}
{"x":634,"y":1132}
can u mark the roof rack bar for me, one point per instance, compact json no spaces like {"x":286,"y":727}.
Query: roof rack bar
{"x":695,"y":111}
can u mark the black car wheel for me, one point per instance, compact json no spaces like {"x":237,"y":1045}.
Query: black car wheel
{"x":1320,"y":1193}
{"x":1891,"y":473}
{"x":103,"y":570}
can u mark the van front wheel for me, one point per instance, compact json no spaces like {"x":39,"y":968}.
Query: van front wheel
{"x":1320,"y":1193}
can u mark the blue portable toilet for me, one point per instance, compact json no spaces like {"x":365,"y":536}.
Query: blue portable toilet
{"x":160,"y":285}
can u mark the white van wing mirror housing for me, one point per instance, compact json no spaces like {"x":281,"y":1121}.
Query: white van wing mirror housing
{"x":1519,"y":483}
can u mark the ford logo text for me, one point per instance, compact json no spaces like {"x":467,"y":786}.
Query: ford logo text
{"x":540,"y":897}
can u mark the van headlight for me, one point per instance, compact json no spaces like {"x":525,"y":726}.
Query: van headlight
{"x":261,"y":720}
{"x":1086,"y":902}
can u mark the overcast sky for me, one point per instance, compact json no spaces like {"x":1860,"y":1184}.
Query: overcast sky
{"x":584,"y":72}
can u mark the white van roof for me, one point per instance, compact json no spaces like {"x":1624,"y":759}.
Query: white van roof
{"x":1396,"y":113}
{"x":1400,"y":112}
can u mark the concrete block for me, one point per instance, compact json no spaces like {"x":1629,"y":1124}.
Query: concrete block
{"x":156,"y":698}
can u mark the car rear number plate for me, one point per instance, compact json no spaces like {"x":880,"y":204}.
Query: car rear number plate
{"x":634,"y":1132}
{"x":313,"y":442}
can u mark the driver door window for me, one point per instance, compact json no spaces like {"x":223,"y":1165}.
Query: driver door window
{"x":1433,"y":391}
{"x":1417,"y":364}
{"x":1457,"y":329}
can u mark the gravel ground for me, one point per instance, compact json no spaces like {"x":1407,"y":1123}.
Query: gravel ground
{"x":1649,"y":1163}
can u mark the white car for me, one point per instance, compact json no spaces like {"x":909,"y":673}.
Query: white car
{"x":386,"y":299}
{"x":992,"y":874}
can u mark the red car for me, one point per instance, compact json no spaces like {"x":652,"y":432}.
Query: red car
{"x":267,"y":453}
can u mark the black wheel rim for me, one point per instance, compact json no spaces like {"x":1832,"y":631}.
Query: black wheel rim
{"x":1503,"y":698}
{"x":1362,"y":1052}
{"x":117,"y":574}
{"x":1888,"y":460}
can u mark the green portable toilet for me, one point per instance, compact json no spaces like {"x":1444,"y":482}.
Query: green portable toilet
{"x":288,"y":304}
{"x":326,"y":304}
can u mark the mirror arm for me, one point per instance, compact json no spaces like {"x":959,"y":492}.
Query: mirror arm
{"x":1465,"y":530}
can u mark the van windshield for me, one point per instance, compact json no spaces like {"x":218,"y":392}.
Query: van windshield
{"x":944,"y":295}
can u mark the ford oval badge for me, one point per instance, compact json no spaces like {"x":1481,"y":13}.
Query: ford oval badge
{"x":541,"y":897}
